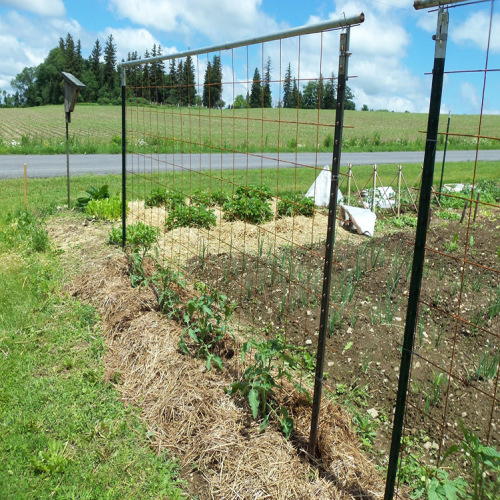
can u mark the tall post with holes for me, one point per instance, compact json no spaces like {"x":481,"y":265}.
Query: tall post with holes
{"x":419,"y":250}
{"x":330,"y":238}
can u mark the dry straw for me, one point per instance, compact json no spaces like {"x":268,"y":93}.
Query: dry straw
{"x":189,"y":413}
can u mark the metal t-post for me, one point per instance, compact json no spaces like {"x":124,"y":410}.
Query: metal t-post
{"x":419,"y":249}
{"x":330,"y":238}
{"x":124,"y":163}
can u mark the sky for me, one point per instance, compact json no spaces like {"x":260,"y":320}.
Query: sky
{"x":392,"y":51}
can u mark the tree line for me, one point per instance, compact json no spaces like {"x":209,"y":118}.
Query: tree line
{"x":153,"y":82}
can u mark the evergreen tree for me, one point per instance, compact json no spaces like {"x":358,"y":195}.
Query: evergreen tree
{"x":95,"y":62}
{"x":206,"y":98}
{"x":287,"y":89}
{"x":146,"y":78}
{"x":267,"y":100}
{"x":173,"y":97}
{"x":296,"y":96}
{"x":69,"y":54}
{"x":78,"y":60}
{"x":180,"y":84}
{"x":109,"y":72}
{"x":188,"y":83}
{"x":329,"y":94}
{"x":256,"y":90}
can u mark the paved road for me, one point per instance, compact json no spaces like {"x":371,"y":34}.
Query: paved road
{"x":55,"y":165}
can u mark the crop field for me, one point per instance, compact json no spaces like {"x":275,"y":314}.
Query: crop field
{"x":97,"y":129}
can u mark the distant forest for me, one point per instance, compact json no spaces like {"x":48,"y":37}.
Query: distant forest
{"x":153,"y":82}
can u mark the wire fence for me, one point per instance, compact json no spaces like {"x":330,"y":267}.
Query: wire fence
{"x":223,"y":175}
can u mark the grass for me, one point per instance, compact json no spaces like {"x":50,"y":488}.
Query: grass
{"x":63,"y":431}
{"x":152,"y":129}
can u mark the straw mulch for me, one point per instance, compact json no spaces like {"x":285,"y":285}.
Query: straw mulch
{"x":189,"y":413}
{"x":181,"y":244}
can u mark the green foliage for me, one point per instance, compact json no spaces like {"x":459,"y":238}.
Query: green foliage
{"x":167,"y":284}
{"x":290,"y":206}
{"x":93,"y":193}
{"x":191,"y":216}
{"x":105,"y":209}
{"x":26,"y":227}
{"x":206,"y":318}
{"x":157,"y":198}
{"x":452,"y":246}
{"x":202,"y":197}
{"x":272,"y":363}
{"x":249,"y":204}
{"x":174,"y":199}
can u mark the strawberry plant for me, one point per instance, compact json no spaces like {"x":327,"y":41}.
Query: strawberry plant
{"x":191,"y":216}
{"x":290,"y":206}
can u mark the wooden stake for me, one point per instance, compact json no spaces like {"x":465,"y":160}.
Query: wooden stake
{"x":25,"y":186}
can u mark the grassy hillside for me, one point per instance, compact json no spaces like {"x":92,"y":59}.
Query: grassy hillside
{"x":97,"y":129}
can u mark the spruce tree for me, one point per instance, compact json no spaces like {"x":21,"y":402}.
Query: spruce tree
{"x":189,"y":83}
{"x":329,"y":99}
{"x":256,"y":90}
{"x":267,"y":100}
{"x":216,"y":83}
{"x":206,"y":98}
{"x":287,"y":88}
{"x":173,"y":95}
{"x":109,"y":73}
{"x":95,"y":62}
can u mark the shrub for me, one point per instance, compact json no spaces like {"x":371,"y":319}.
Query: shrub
{"x":191,"y":216}
{"x":290,"y":206}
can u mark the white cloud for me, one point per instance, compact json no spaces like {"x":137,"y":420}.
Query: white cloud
{"x":474,"y":31}
{"x":224,"y":21}
{"x":52,"y":8}
{"x":469,"y":94}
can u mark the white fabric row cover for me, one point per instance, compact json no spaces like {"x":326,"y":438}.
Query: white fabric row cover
{"x":362,"y":219}
{"x":320,"y":189}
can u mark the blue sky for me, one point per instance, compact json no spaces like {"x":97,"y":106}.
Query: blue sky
{"x":391,"y":51}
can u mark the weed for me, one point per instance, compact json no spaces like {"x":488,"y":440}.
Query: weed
{"x":53,"y":460}
{"x":366,"y":427}
{"x":438,"y":380}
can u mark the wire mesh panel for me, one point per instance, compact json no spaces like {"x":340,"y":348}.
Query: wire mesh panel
{"x":451,"y":435}
{"x":222,"y":146}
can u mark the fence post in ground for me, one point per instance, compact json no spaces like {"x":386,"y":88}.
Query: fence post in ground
{"x":349,"y":174}
{"x":374,"y":187}
{"x":419,"y":249}
{"x":330,"y":239}
{"x":399,"y":189}
{"x":124,"y":163}
{"x":25,"y":185}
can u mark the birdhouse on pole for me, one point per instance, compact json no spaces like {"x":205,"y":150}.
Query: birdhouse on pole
{"x":72,"y":87}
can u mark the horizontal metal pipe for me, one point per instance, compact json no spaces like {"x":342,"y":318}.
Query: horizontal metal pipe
{"x":301,"y":30}
{"x":427,"y":4}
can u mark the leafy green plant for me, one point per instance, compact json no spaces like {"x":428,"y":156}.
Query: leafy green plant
{"x":366,"y":427}
{"x":92,"y":193}
{"x":190,"y":216}
{"x":156,"y":198}
{"x":174,"y":199}
{"x":105,"y":209}
{"x":290,"y":206}
{"x":27,"y":227}
{"x":206,"y":318}
{"x":486,"y":367}
{"x":53,"y":460}
{"x":452,"y":245}
{"x":438,"y":380}
{"x":202,"y":197}
{"x":254,"y":210}
{"x":261,"y":192}
{"x":272,"y":363}
{"x":166,"y":284}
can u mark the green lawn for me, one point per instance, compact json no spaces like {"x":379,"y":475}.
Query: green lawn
{"x":64,"y":433}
